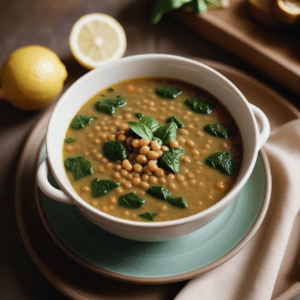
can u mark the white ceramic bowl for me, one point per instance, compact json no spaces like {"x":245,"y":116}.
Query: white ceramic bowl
{"x":245,"y":114}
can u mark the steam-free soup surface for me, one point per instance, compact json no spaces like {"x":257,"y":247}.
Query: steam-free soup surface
{"x":185,"y":161}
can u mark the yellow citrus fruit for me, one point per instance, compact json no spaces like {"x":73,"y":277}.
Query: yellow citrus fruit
{"x":31,"y":77}
{"x":96,"y":39}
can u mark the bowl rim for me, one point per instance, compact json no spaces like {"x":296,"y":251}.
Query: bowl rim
{"x":81,"y":204}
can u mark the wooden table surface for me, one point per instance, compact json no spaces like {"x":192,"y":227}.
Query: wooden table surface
{"x":48,"y":23}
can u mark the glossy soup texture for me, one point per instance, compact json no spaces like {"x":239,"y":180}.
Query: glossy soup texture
{"x":152,"y":149}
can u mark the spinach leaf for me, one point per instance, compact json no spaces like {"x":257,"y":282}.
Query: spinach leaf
{"x":162,"y":7}
{"x":131,"y":200}
{"x":178,"y":201}
{"x":115,"y":150}
{"x":139,"y":116}
{"x":149,"y":216}
{"x":157,"y":139}
{"x":176,"y":121}
{"x":69,"y":140}
{"x":216,"y":130}
{"x":80,"y":121}
{"x":102,"y":187}
{"x":222,"y":161}
{"x":79,"y":166}
{"x":150,"y":122}
{"x":109,"y":105}
{"x":198,"y":106}
{"x":167,"y":91}
{"x":166,"y":133}
{"x":110,"y":90}
{"x":170,"y":160}
{"x":159,"y":191}
{"x":141,"y":130}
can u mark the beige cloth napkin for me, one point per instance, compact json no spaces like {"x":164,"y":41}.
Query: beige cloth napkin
{"x":251,"y":274}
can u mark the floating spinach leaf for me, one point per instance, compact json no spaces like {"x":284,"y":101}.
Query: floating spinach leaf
{"x":131,"y":200}
{"x":159,"y":191}
{"x":141,"y":130}
{"x":198,"y":105}
{"x":102,"y":187}
{"x":178,"y":201}
{"x":115,"y":150}
{"x":170,"y":160}
{"x":79,"y":166}
{"x":176,"y":121}
{"x":150,"y":122}
{"x":167,"y":91}
{"x":148,"y":215}
{"x":69,"y":140}
{"x":157,"y":139}
{"x":109,"y":105}
{"x":80,"y":121}
{"x":166,"y":133}
{"x":222,"y":161}
{"x":216,"y":130}
{"x":110,"y":90}
{"x":139,"y":116}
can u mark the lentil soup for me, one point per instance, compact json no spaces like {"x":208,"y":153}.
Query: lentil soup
{"x":152,"y":149}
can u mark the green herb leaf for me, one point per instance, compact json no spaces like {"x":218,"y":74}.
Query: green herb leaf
{"x":157,"y":139}
{"x":159,"y":191}
{"x":80,"y":121}
{"x":216,"y":130}
{"x":109,"y":105}
{"x":131,"y":200}
{"x":79,"y":166}
{"x":110,"y":90}
{"x":178,"y":201}
{"x":168,"y":92}
{"x":69,"y":140}
{"x":166,"y":133}
{"x":139,"y":116}
{"x":170,"y":160}
{"x":115,"y":150}
{"x":176,"y":121}
{"x":198,"y":106}
{"x":102,"y":187}
{"x":149,"y":216}
{"x":199,"y":6}
{"x":150,"y":122}
{"x":222,"y":161}
{"x":141,"y":130}
{"x":162,"y":7}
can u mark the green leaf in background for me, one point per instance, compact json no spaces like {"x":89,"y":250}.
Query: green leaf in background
{"x":178,"y":201}
{"x":221,"y":161}
{"x":79,"y":166}
{"x":168,"y":92}
{"x":198,"y":105}
{"x":80,"y":121}
{"x":102,"y":187}
{"x":170,"y":160}
{"x":217,"y":130}
{"x":109,"y":105}
{"x":69,"y":140}
{"x":131,"y":200}
{"x":158,"y":191}
{"x":176,"y":121}
{"x":148,"y":215}
{"x":199,"y":6}
{"x":162,"y":7}
{"x":141,"y":130}
{"x":139,"y":116}
{"x":166,"y":133}
{"x":115,"y":150}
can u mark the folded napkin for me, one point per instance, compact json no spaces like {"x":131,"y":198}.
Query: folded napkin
{"x":252,"y":273}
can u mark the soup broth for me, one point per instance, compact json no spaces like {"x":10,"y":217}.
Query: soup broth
{"x":152,"y":149}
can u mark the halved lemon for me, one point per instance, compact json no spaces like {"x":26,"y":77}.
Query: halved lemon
{"x":96,"y":39}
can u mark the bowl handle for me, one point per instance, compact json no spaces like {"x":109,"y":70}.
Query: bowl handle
{"x":264,"y":124}
{"x":47,"y":188}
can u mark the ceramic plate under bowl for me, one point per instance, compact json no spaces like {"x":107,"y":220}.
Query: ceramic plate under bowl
{"x":160,"y":262}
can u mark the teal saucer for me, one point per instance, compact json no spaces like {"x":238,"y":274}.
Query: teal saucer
{"x":161,"y":262}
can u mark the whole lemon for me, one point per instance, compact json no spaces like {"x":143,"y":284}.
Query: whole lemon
{"x":31,"y":77}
